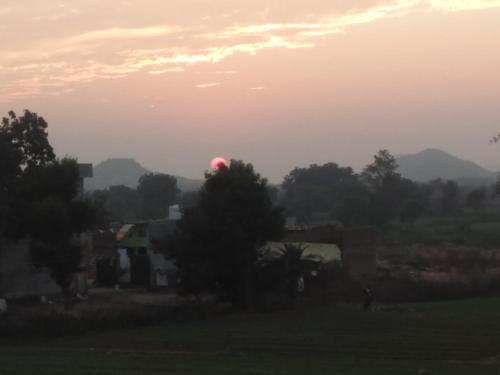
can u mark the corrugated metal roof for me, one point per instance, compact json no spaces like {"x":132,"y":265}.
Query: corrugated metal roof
{"x":123,"y":231}
{"x":328,"y":252}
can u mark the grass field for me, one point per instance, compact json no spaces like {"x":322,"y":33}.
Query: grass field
{"x":442,"y":338}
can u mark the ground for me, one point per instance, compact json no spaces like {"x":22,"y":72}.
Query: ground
{"x":440,"y":338}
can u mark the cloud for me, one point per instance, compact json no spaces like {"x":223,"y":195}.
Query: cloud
{"x":463,"y":5}
{"x":168,"y":70}
{"x":207,"y":85}
{"x":118,"y":51}
{"x":117,"y":33}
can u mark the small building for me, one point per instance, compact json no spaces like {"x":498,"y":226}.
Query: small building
{"x":141,"y":261}
{"x":357,"y":246}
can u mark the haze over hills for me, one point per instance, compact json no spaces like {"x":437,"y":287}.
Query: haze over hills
{"x":423,"y":166}
{"x":431,"y":164}
{"x":127,"y":171}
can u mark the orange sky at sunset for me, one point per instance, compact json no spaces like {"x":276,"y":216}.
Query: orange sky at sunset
{"x":278,"y":84}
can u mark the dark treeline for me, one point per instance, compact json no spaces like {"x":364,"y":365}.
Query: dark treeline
{"x":378,"y":195}
{"x":319,"y":194}
{"x":150,"y":200}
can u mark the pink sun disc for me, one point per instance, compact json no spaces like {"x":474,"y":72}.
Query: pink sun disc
{"x":217,"y":162}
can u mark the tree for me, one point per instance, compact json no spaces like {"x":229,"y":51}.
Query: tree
{"x":288,"y":268}
{"x":23,"y":145}
{"x":218,"y":240}
{"x":475,"y":199}
{"x":157,"y":192}
{"x":54,"y":219}
{"x":320,"y":189}
{"x":450,"y":198}
{"x":119,"y":202}
{"x":389,"y":192}
{"x":28,"y":136}
{"x":39,"y":197}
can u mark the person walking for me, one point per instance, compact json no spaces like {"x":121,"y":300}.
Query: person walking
{"x":367,"y":299}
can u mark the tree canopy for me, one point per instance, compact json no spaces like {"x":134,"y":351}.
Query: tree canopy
{"x":40,"y":197}
{"x":24,"y":146}
{"x":157,"y":192}
{"x":320,"y":189}
{"x":389,"y":192}
{"x":219,"y":238}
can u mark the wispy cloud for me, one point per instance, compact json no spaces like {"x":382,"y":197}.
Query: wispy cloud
{"x":118,"y":33}
{"x":116,"y":52}
{"x":207,"y":85}
{"x":463,"y":5}
{"x":167,"y":70}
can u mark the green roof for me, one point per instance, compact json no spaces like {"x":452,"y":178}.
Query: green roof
{"x":133,"y":235}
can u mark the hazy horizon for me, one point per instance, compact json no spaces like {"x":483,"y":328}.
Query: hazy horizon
{"x":175,"y":84}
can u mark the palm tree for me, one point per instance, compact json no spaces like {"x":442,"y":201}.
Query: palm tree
{"x":290,"y":268}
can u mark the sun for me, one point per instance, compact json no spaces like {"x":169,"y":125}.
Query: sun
{"x":218,"y":162}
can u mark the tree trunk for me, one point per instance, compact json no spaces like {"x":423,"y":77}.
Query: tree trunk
{"x":66,"y":294}
{"x":249,"y":282}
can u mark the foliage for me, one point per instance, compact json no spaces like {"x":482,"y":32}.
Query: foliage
{"x":23,"y":146}
{"x":450,"y":198}
{"x":54,"y":217}
{"x":150,"y":200}
{"x":324,"y":188}
{"x":476,"y":198}
{"x":218,"y":239}
{"x":28,"y":137}
{"x":39,"y":197}
{"x":157,"y":192}
{"x":389,"y":192}
{"x":286,"y":269}
{"x":120,"y":203}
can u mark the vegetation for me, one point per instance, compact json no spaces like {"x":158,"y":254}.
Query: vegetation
{"x":219,"y":238}
{"x":449,"y":338}
{"x":157,"y":192}
{"x":287,"y":271}
{"x":24,"y":147}
{"x":149,"y":201}
{"x":326,"y":188}
{"x":41,"y":198}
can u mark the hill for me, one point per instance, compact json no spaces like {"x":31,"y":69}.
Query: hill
{"x":127,"y":171}
{"x":431,"y":164}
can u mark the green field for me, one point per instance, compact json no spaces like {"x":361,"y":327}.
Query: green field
{"x":442,"y":338}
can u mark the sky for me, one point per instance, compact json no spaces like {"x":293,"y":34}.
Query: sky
{"x":275,"y":83}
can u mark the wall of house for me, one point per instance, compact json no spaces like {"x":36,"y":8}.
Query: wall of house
{"x":359,"y":255}
{"x":358,"y":246}
{"x":18,"y":278}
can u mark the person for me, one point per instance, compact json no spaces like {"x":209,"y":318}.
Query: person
{"x":367,"y":299}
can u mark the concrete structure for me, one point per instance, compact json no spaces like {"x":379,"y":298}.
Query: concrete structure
{"x":359,"y":253}
{"x":141,"y":260}
{"x":86,"y":171}
{"x":357,"y":245}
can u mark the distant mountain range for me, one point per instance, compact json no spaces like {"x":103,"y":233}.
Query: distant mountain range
{"x":431,"y":164}
{"x":126,"y":171}
{"x":423,"y":166}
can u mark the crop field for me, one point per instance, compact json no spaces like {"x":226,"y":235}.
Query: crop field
{"x":461,"y":337}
